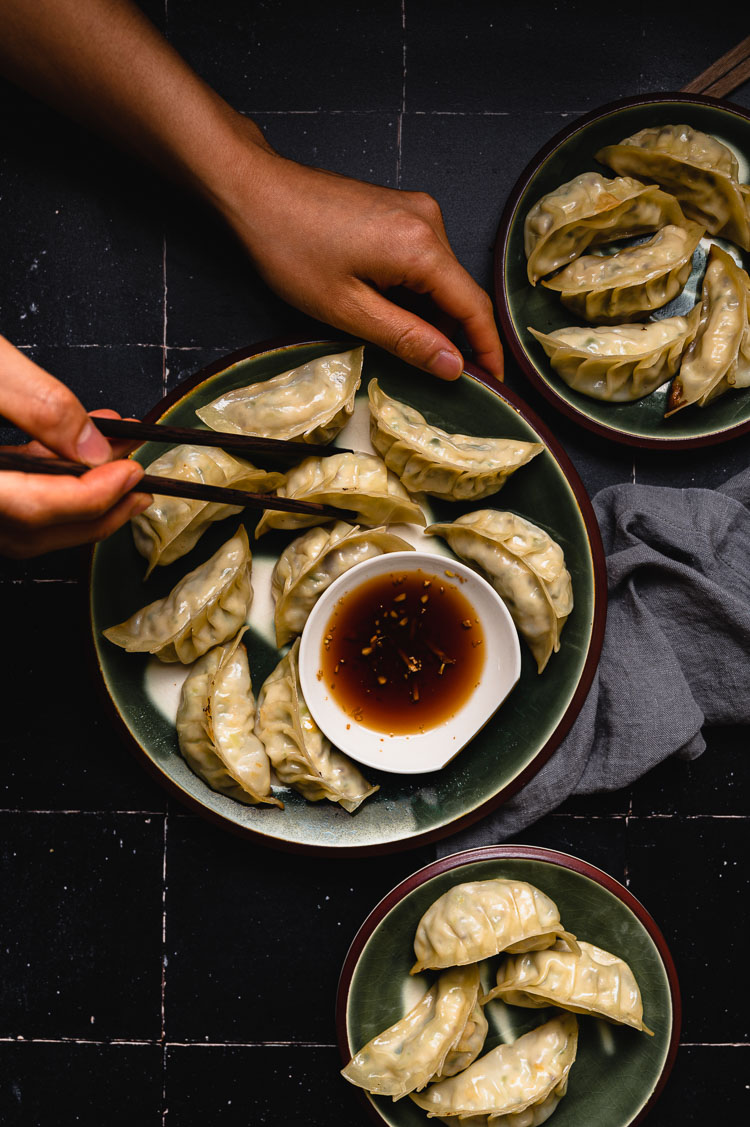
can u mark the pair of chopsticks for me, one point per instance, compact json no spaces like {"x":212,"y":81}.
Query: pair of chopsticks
{"x":725,"y":75}
{"x":134,"y":430}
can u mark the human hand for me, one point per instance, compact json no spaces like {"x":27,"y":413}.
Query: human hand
{"x":40,"y":512}
{"x":334,"y":247}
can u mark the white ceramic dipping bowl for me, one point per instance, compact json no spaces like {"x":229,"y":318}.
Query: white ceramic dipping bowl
{"x":431,"y":749}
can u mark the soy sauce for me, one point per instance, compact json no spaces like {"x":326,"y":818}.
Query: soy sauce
{"x":403,"y":651}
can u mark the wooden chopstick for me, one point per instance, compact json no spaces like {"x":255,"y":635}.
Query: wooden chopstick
{"x":725,"y":75}
{"x":243,"y":444}
{"x":173,"y":487}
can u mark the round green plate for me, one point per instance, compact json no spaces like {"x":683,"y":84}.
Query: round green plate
{"x":618,"y":1072}
{"x":520,"y":304}
{"x":408,"y":809}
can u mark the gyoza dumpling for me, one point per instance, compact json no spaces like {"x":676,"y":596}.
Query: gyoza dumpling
{"x":427,"y":459}
{"x":478,"y":919}
{"x":532,"y":1116}
{"x":719,"y":356}
{"x":171,"y":526}
{"x":215,"y":726}
{"x":510,"y":1078}
{"x":590,"y":981}
{"x":469,"y":1045}
{"x":588,"y":210}
{"x":361,"y":482}
{"x":407,"y":1055}
{"x":695,"y":167}
{"x":310,"y":403}
{"x":308,"y":566}
{"x":524,"y":565}
{"x":619,"y":363}
{"x":207,"y":606}
{"x":301,"y":755}
{"x":612,"y":288}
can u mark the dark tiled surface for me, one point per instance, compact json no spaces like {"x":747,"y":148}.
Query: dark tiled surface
{"x":191,"y":950}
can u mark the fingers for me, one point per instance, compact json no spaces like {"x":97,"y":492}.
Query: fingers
{"x":455,"y":292}
{"x":40,"y":512}
{"x":47,"y":410}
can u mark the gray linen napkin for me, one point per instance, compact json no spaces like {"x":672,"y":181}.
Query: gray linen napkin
{"x":676,"y":651}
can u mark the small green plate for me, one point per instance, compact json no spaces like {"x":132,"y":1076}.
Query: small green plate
{"x":520,"y":304}
{"x":408,"y":810}
{"x":618,"y":1072}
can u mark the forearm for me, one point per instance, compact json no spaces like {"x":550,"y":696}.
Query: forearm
{"x":105,"y":64}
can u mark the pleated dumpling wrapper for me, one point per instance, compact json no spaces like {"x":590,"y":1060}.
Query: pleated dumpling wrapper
{"x":359,"y":482}
{"x":532,"y":1116}
{"x":458,"y":467}
{"x":590,"y":981}
{"x":308,"y":566}
{"x":510,"y":1078}
{"x":407,"y":1055}
{"x":524,"y":565}
{"x":310,"y":403}
{"x":696,"y":168}
{"x":207,"y":606}
{"x":215,"y":726}
{"x":301,"y":755}
{"x":589,"y":210}
{"x":718,"y":357}
{"x":607,"y":289}
{"x":479,"y":919}
{"x":619,"y":363}
{"x":171,"y":526}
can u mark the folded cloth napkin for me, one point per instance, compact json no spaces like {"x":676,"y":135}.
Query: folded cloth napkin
{"x":676,"y":651}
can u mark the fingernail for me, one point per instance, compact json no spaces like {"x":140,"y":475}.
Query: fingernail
{"x":92,"y":447}
{"x":141,"y":505}
{"x":446,"y":365}
{"x":134,"y":476}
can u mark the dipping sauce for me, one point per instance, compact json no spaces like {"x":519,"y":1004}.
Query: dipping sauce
{"x":404,"y":651}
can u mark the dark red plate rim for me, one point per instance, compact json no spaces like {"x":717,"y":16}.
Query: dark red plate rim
{"x":501,"y":248}
{"x":508,"y":852}
{"x":566,"y":722}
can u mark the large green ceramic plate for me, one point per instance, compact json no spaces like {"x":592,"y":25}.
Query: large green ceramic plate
{"x":618,"y":1071}
{"x":408,"y":809}
{"x":568,"y":154}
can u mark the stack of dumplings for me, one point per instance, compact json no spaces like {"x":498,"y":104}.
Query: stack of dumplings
{"x":247,"y":750}
{"x":681,"y":184}
{"x":434,"y":1053}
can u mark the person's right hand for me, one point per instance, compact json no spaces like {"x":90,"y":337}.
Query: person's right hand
{"x":42,"y":512}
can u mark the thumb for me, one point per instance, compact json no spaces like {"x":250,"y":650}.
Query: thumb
{"x":47,"y":410}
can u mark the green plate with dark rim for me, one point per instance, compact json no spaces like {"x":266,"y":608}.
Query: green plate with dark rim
{"x":618,"y":1072}
{"x":569,"y":153}
{"x":408,"y":810}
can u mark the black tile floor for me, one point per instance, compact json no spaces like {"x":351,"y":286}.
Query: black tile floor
{"x":155,"y":970}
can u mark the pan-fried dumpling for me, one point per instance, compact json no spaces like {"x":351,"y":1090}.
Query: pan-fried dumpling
{"x":532,"y":1116}
{"x":510,"y":1078}
{"x":478,"y":919}
{"x":612,"y":288}
{"x":299,"y":752}
{"x":361,"y":482}
{"x":215,"y":726}
{"x":171,"y":526}
{"x":469,"y":1045}
{"x":694,"y":167}
{"x":589,"y":210}
{"x":719,"y":356}
{"x":207,"y":606}
{"x":619,"y":363}
{"x":308,"y":566}
{"x":458,"y":467}
{"x":407,"y":1055}
{"x":310,"y":403}
{"x":591,"y":981}
{"x":524,"y":565}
